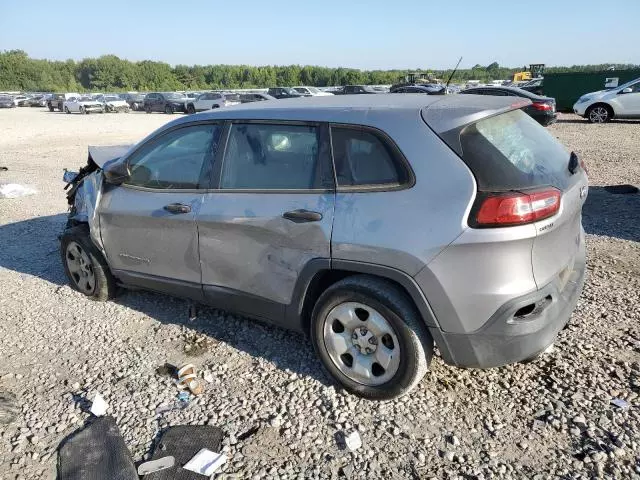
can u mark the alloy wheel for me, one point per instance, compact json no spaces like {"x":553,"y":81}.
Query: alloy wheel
{"x":80,"y":268}
{"x":361,"y":343}
{"x":599,"y":115}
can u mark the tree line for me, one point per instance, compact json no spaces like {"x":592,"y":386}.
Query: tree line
{"x":110,"y":73}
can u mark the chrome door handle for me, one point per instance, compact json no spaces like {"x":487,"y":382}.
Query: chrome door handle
{"x":301,"y":215}
{"x":177,"y":208}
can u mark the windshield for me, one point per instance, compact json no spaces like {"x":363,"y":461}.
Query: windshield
{"x":301,"y":90}
{"x":86,"y":99}
{"x":628,"y":84}
{"x":232,"y":97}
{"x":291,"y":91}
{"x":111,"y":98}
{"x":174,"y":96}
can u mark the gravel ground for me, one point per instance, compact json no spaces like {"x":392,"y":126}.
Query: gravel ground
{"x":550,"y":418}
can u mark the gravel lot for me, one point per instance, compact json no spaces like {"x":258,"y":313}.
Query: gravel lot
{"x":550,"y":418}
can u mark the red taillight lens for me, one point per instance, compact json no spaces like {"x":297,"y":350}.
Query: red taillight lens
{"x":545,"y":107}
{"x":516,"y":208}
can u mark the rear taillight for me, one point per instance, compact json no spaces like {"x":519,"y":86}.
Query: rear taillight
{"x":544,"y":107}
{"x":515,"y":208}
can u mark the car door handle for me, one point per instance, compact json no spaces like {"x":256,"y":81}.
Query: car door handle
{"x":177,"y":208}
{"x":301,"y":215}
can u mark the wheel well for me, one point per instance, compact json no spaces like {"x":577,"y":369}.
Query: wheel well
{"x":605,"y":105}
{"x":323,"y":280}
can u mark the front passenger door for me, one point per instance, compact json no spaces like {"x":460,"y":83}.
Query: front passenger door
{"x":148,"y":224}
{"x":630,"y":102}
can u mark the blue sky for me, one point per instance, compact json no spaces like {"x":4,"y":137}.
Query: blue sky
{"x":349,"y":33}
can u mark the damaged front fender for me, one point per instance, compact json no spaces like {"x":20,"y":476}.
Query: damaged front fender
{"x":85,"y":188}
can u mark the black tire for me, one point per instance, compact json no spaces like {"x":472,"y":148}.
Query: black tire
{"x":416,"y":344}
{"x":105,"y":283}
{"x":147,"y":108}
{"x":60,"y":105}
{"x":215,"y":105}
{"x":51,"y":109}
{"x":599,"y":113}
{"x":168,"y":109}
{"x":191,"y":109}
{"x":66,"y":110}
{"x":134,"y":106}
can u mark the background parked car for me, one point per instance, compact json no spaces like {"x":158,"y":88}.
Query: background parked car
{"x":135,"y":100}
{"x":255,"y":97}
{"x":113,"y":103}
{"x":56,"y":100}
{"x":20,"y":100}
{"x":619,"y":102}
{"x":427,"y":88}
{"x":38,"y":101}
{"x":284,"y":92}
{"x":167,"y":102}
{"x":357,"y":90}
{"x":84,"y":105}
{"x":210,"y":100}
{"x":542,"y":109}
{"x":312,"y":92}
{"x":6,"y":101}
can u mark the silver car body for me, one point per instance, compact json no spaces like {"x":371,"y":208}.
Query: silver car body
{"x":624,"y":100}
{"x":234,"y":248}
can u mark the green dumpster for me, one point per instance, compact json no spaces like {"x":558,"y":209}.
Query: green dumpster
{"x":566,"y":88}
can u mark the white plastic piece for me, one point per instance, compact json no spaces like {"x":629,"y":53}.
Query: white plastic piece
{"x":156,"y":465}
{"x":15,"y":190}
{"x":99,"y":406}
{"x":205,"y":462}
{"x":620,"y":403}
{"x":353,"y":441}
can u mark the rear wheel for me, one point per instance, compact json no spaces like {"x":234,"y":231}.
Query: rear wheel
{"x":370,"y":338}
{"x":81,"y":109}
{"x":66,"y":110}
{"x":599,"y":113}
{"x":86,"y":268}
{"x":51,"y":109}
{"x":191,"y":109}
{"x":168,"y":109}
{"x":147,"y":108}
{"x":134,"y":106}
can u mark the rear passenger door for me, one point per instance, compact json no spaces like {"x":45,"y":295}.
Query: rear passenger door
{"x":271,"y":214}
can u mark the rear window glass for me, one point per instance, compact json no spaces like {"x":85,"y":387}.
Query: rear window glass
{"x":512,"y":151}
{"x":361,"y":158}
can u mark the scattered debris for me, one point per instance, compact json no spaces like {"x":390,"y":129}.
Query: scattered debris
{"x":167,"y":370}
{"x":14,"y":190}
{"x":99,"y":406}
{"x":353,"y":441}
{"x":249,"y":433}
{"x":8,"y":407}
{"x":156,"y":465}
{"x":620,"y":403}
{"x":580,"y":422}
{"x":208,"y":377}
{"x":453,"y":440}
{"x":3,"y":169}
{"x":97,"y":451}
{"x":347,"y":471}
{"x":537,"y":425}
{"x":205,"y":462}
{"x":188,"y":379}
{"x":197,"y":343}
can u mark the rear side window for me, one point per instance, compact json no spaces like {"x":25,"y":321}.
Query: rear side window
{"x":512,"y":151}
{"x":362,"y":158}
{"x":274,"y":157}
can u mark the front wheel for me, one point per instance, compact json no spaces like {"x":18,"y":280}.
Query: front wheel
{"x":134,"y":106}
{"x":51,"y":109}
{"x":147,"y":109}
{"x":168,"y":109}
{"x":86,"y":268}
{"x":66,"y":110}
{"x":191,"y":109}
{"x":599,"y":114}
{"x":370,"y":338}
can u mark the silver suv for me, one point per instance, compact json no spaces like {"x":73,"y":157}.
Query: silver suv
{"x":380,"y":225}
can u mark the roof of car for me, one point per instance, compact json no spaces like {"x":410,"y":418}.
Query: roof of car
{"x":515,"y":90}
{"x":364,"y":109}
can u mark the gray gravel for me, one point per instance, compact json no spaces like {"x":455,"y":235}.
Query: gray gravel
{"x":281,"y":417}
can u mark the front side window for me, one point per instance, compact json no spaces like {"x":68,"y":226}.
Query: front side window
{"x":363,"y":158}
{"x":179,"y":159}
{"x":273,"y":157}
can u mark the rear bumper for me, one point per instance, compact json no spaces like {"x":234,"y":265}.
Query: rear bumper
{"x":505,"y":339}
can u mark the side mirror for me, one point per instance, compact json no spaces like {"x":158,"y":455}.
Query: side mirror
{"x":627,"y":90}
{"x":116,"y":172}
